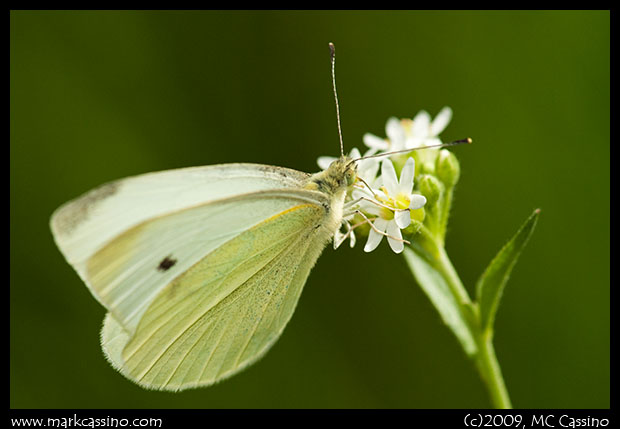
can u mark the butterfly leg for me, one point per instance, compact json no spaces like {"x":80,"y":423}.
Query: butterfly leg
{"x":377,"y":231}
{"x":352,"y":203}
{"x":339,"y":237}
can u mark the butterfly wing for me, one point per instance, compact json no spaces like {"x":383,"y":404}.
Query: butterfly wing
{"x":225,"y":311}
{"x":126,"y":274}
{"x":83,"y":225}
{"x":200,"y":269}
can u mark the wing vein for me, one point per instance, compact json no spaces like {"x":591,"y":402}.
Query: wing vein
{"x":259,"y":321}
{"x":199,"y":304}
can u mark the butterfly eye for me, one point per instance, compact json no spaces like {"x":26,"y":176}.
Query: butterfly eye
{"x":350,"y":177}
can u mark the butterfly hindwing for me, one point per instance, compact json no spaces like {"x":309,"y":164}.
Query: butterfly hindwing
{"x":130,"y":271}
{"x":226,"y":310}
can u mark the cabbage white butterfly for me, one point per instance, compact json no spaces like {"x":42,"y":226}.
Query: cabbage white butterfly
{"x":201,"y":268}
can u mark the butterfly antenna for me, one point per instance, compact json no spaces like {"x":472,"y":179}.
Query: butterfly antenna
{"x":332,"y":54}
{"x":454,"y":143}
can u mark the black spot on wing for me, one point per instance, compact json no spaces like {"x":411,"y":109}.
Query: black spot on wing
{"x":166,"y":263}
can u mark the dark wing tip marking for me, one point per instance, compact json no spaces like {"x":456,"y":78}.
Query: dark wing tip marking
{"x":166,"y":263}
{"x":71,"y":215}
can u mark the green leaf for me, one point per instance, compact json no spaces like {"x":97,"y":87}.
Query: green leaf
{"x":491,"y":284}
{"x":438,"y":291}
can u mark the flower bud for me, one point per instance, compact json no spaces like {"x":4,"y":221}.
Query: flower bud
{"x":447,"y":168}
{"x":417,"y":215}
{"x":414,"y":227}
{"x":430,"y":187}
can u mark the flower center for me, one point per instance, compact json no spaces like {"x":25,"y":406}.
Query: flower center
{"x":402,"y":201}
{"x":386,"y":213}
{"x":406,"y":124}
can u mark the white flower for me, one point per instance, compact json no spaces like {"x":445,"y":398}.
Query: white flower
{"x":396,"y":200}
{"x":395,"y":137}
{"x":410,"y":134}
{"x":367,"y":168}
{"x":424,"y":132}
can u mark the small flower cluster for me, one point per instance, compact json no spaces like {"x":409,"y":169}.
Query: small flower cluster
{"x":382,"y":202}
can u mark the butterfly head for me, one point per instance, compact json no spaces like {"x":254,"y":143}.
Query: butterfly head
{"x":340,"y":174}
{"x":344,"y":167}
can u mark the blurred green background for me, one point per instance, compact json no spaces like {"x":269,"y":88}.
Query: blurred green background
{"x":97,"y":96}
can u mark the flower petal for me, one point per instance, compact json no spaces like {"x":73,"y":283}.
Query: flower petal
{"x":374,"y":238}
{"x":352,"y":239}
{"x":405,"y":184}
{"x":402,"y":218}
{"x":359,"y":193}
{"x":388,"y":175}
{"x":395,"y":132}
{"x":421,"y":124}
{"x":325,"y":161}
{"x":368,"y":207}
{"x":432,"y":141}
{"x":338,"y":239}
{"x":417,"y":201}
{"x":414,"y":142}
{"x":396,"y":245}
{"x":374,"y":142}
{"x":371,"y":151}
{"x":355,"y":153}
{"x":367,"y":169}
{"x":441,"y":121}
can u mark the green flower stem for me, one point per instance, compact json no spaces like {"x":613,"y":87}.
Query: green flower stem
{"x":429,"y":243}
{"x":485,"y":358}
{"x":491,"y":374}
{"x":452,"y":278}
{"x":445,"y":213}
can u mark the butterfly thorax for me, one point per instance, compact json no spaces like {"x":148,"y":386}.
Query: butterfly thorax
{"x":336,"y":178}
{"x":333,"y":183}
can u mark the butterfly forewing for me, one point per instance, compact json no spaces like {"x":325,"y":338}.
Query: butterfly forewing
{"x":82,"y":226}
{"x":129,"y":238}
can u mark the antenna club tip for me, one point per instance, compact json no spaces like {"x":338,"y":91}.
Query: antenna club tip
{"x":469,"y":140}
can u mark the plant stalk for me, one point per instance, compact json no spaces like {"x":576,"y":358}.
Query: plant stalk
{"x":491,"y":373}
{"x":486,"y":360}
